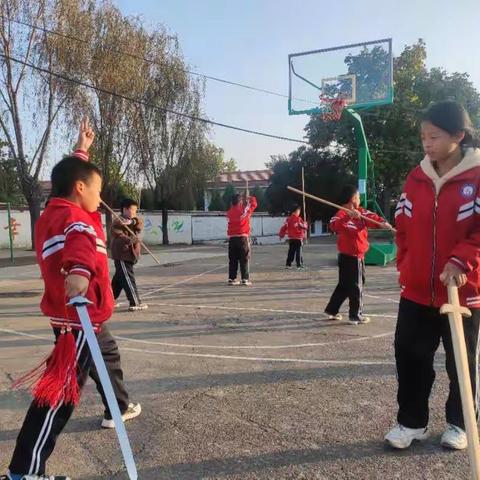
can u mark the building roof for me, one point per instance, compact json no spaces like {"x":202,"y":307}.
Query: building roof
{"x":254,"y":177}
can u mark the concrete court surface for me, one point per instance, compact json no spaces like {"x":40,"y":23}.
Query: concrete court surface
{"x":235,"y":382}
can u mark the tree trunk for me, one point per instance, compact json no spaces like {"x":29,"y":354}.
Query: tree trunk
{"x":387,"y":203}
{"x":107,"y":196}
{"x":164,"y":225}
{"x":108,"y":226}
{"x":34,"y":209}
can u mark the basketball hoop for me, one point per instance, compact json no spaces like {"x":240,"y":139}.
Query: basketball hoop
{"x":335,"y":108}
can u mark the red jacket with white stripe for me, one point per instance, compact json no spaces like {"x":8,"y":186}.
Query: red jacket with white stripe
{"x":71,"y":240}
{"x":294,"y":227}
{"x":238,"y":218}
{"x":352,"y":232}
{"x":438,"y":221}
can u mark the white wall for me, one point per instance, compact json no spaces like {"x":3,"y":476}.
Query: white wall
{"x":22,"y":240}
{"x":179,"y":228}
{"x":209,"y":227}
{"x":182,"y":228}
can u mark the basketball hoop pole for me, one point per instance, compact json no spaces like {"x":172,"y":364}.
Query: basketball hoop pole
{"x":363,"y":155}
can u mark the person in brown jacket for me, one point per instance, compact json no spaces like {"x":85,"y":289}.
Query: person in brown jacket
{"x":125,"y":251}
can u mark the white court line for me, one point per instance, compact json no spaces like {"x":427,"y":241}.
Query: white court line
{"x":151,"y":292}
{"x":381,"y":298}
{"x":254,"y":347}
{"x":251,"y":309}
{"x":261,"y":359}
{"x":231,"y":357}
{"x":23,"y":334}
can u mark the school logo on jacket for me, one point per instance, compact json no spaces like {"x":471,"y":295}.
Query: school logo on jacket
{"x":467,"y":190}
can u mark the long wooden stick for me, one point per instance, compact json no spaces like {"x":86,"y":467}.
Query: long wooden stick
{"x":131,"y":231}
{"x":304,"y":204}
{"x":339,"y":207}
{"x":303,"y":188}
{"x":455,"y":317}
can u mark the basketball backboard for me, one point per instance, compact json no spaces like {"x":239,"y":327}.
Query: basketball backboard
{"x":360,"y":74}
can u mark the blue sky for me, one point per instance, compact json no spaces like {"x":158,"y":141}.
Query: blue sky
{"x":248,"y":41}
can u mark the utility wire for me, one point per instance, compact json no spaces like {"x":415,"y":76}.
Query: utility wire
{"x":153,"y":62}
{"x":146,"y":104}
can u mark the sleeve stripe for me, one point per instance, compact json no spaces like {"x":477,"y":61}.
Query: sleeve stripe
{"x":82,"y":154}
{"x":80,"y":227}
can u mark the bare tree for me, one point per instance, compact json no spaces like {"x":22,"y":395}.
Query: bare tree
{"x":32,"y":100}
{"x":166,"y":141}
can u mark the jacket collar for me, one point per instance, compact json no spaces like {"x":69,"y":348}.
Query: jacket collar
{"x":63,"y":202}
{"x":470,"y":160}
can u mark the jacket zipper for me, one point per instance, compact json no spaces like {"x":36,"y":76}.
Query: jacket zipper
{"x":432,"y":280}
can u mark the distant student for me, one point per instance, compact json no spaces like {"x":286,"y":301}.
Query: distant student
{"x":296,"y":229}
{"x":238,"y":231}
{"x":352,"y":244}
{"x":125,"y":251}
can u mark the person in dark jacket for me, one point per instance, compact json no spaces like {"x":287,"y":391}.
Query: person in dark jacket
{"x":125,"y":251}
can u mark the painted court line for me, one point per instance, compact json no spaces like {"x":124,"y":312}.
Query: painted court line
{"x":260,"y":359}
{"x":382,"y":298}
{"x":235,"y":357}
{"x":250,"y":309}
{"x":23,"y":334}
{"x":151,"y":292}
{"x":254,"y":347}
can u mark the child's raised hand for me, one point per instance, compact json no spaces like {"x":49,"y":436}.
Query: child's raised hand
{"x":86,"y":135}
{"x":76,"y":285}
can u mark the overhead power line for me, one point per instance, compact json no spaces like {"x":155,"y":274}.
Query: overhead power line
{"x":150,"y":105}
{"x":153,"y":62}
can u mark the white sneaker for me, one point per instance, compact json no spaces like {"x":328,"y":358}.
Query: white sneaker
{"x":454,"y":437}
{"x":247,"y":283}
{"x":329,"y":316}
{"x":402,"y":437}
{"x":233,"y":282}
{"x":135,"y":308}
{"x":361,"y":319}
{"x":134,"y":410}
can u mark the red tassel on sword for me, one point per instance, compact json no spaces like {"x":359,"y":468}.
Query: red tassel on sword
{"x":55,"y":379}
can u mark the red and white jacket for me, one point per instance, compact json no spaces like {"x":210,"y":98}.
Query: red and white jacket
{"x":352,"y":232}
{"x":438,"y":221}
{"x":294,"y":227}
{"x":238,"y":218}
{"x":69,"y":239}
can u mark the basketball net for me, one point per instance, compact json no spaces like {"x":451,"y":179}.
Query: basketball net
{"x":334,"y":113}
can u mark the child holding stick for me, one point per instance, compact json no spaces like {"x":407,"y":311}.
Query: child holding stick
{"x":352,"y":244}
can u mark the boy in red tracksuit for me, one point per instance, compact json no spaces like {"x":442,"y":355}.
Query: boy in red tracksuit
{"x":296,"y":230}
{"x":71,"y":253}
{"x":352,"y":244}
{"x":238,"y":231}
{"x":438,"y":238}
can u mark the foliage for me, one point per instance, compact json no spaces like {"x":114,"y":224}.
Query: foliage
{"x":217,"y":204}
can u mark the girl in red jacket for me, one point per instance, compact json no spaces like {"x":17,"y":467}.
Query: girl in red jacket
{"x":438,"y":237}
{"x":352,"y":243}
{"x":296,"y":229}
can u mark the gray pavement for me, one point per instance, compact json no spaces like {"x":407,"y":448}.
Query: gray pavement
{"x":235,"y":382}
